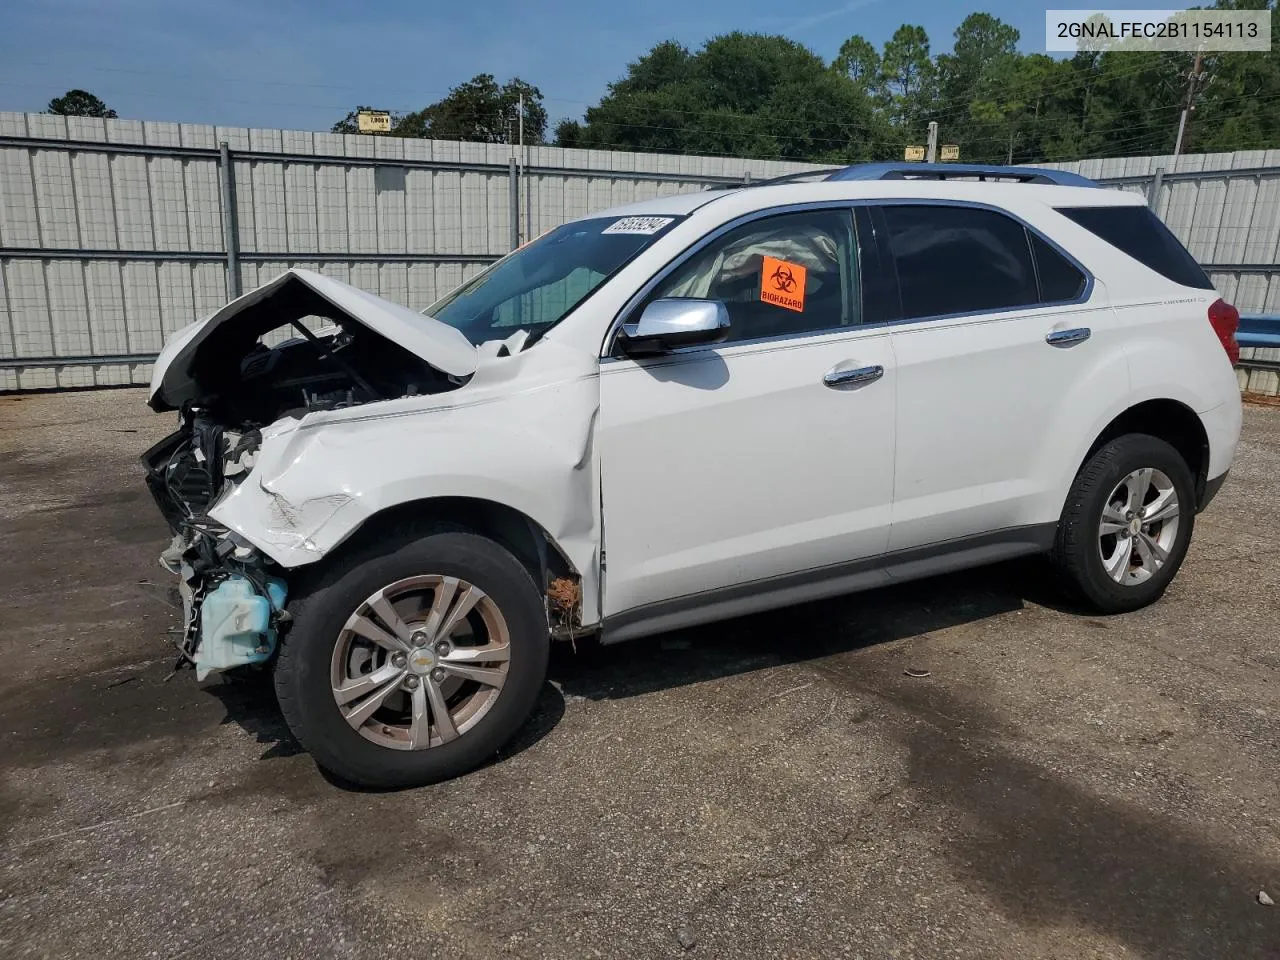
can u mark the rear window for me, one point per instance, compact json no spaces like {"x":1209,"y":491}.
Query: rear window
{"x":1139,"y":233}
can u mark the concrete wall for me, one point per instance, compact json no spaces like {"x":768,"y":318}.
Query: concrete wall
{"x":112,"y":232}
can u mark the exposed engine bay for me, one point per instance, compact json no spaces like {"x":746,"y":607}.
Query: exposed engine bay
{"x":243,"y":383}
{"x":234,"y":384}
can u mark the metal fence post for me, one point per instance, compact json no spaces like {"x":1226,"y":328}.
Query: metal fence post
{"x":513,"y":192}
{"x":528,"y":196}
{"x":230,"y":233}
{"x":1153,"y":190}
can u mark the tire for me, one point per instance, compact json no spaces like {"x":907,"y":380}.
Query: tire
{"x":1111,"y":480}
{"x":328,"y":646}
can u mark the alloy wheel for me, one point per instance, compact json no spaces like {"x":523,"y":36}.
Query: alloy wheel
{"x":1139,"y":526}
{"x":420,"y":662}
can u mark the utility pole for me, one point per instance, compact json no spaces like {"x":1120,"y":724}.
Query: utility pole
{"x":931,"y":151}
{"x":1195,"y":77}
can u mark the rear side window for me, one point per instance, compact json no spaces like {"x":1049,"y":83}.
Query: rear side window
{"x":959,"y":260}
{"x":1139,"y":233}
{"x":1060,"y":279}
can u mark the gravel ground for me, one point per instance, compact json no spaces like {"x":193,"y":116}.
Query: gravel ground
{"x":1059,"y":786}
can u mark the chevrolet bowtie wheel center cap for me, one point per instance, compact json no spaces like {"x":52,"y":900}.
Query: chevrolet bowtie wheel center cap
{"x":421,"y":661}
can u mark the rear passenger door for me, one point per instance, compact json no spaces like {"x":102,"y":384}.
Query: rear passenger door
{"x":994,"y":325}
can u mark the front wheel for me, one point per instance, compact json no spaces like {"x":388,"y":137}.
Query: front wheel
{"x":415,"y":662}
{"x":1127,"y":524}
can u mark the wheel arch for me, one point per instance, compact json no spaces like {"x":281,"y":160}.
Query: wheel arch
{"x":523,"y":537}
{"x":1166,"y":419}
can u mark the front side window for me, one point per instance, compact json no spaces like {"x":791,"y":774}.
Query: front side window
{"x":954,"y":259}
{"x":535,"y":287}
{"x":779,"y":276}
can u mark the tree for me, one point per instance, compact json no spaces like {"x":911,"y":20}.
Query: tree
{"x":859,"y":61}
{"x":977,"y":81}
{"x":741,"y":94}
{"x":568,"y":133}
{"x":908,"y":74}
{"x":1008,"y":108}
{"x":80,"y":103}
{"x":480,"y":110}
{"x":666,"y":64}
{"x":1240,"y":108}
{"x":754,"y":95}
{"x":981,"y":38}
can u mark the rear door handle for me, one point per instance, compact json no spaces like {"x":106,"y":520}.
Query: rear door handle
{"x":841,"y":379}
{"x":1065,"y":338}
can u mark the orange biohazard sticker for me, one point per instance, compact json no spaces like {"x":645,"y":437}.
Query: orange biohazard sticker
{"x":782,"y":284}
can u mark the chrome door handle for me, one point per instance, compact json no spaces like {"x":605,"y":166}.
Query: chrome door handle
{"x":838,"y":379}
{"x":1065,"y":338}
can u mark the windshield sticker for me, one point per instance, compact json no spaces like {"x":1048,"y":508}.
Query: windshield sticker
{"x":782,"y":284}
{"x":644,"y":226}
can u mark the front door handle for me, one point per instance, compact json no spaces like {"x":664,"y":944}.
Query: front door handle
{"x":1065,"y":338}
{"x":841,"y":379}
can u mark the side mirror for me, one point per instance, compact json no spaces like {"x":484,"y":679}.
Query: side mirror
{"x":675,"y":322}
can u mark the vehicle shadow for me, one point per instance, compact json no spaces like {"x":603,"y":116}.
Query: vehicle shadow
{"x":250,"y":702}
{"x":789,"y":635}
{"x":796,"y":634}
{"x":1051,"y":849}
{"x":1047,"y":847}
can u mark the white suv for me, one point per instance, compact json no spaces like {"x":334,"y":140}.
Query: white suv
{"x":687,"y":409}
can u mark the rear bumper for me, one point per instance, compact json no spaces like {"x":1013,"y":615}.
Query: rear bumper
{"x":1222,"y":427}
{"x":1211,"y":488}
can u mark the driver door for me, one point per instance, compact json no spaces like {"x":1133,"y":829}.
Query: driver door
{"x":727,"y":468}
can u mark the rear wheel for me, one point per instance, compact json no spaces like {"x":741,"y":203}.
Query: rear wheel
{"x":416,"y":663}
{"x":1127,"y":524}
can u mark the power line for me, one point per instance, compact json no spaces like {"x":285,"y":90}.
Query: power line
{"x":1083,"y":79}
{"x":1143,"y":144}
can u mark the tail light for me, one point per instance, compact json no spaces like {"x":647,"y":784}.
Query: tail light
{"x":1225,"y":320}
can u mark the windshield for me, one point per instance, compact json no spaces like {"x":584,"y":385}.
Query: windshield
{"x":533,"y":288}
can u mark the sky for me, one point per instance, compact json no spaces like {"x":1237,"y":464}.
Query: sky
{"x":302,"y":66}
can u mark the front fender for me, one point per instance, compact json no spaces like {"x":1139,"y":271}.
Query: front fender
{"x":315,"y":484}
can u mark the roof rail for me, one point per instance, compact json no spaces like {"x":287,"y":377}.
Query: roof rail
{"x":804,"y":176}
{"x":956,"y":171}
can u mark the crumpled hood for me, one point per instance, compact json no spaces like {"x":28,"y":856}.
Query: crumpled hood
{"x":440,"y":345}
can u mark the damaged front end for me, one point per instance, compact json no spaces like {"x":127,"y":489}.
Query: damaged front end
{"x":301,"y":344}
{"x":233,"y":600}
